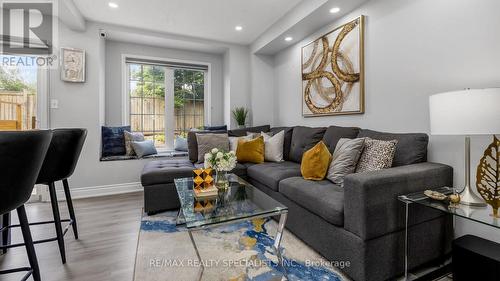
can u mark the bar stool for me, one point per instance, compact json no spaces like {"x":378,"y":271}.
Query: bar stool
{"x":22,"y":155}
{"x":58,"y":165}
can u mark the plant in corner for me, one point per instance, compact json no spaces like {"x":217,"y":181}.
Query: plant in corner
{"x":240,"y":115}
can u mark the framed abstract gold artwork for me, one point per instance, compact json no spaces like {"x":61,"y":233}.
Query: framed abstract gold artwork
{"x":333,"y":72}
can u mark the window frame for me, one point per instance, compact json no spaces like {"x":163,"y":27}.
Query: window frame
{"x":169,"y":94}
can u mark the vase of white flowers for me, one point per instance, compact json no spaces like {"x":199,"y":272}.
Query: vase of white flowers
{"x":222,"y":162}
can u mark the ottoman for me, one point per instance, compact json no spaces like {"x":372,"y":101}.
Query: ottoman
{"x":157,"y":178}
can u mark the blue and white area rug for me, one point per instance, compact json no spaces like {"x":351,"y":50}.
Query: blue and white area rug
{"x":240,"y":251}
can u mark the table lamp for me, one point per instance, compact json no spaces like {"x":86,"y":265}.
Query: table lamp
{"x":465,"y":113}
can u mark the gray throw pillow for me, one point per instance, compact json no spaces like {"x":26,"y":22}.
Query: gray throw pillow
{"x":180,"y":144}
{"x":377,"y":155}
{"x":344,"y":159}
{"x":129,"y":138}
{"x":207,"y":142}
{"x":144,"y":148}
{"x":193,"y":144}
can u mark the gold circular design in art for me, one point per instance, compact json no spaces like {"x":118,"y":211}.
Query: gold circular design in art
{"x":333,"y":96}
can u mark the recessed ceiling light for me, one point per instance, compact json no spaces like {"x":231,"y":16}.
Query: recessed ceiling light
{"x":113,"y":5}
{"x":238,"y":28}
{"x":288,"y":38}
{"x":334,"y":10}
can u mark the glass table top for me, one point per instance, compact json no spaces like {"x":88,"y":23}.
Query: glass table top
{"x":477,"y":214}
{"x":240,"y":201}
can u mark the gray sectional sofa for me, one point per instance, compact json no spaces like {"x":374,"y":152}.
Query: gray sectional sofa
{"x":361,"y":223}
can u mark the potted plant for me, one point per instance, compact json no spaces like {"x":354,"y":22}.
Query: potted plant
{"x":240,"y":115}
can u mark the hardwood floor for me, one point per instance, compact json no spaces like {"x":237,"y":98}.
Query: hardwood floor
{"x":108,"y":229}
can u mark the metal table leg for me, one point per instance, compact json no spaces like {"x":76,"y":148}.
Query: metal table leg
{"x":202,"y":268}
{"x":406,"y":239}
{"x":277,"y":242}
{"x":180,"y":220}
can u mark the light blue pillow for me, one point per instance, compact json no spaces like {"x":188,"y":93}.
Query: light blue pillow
{"x":181,"y":144}
{"x":144,"y":148}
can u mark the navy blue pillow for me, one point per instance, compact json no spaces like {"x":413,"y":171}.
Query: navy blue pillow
{"x":113,"y":141}
{"x":216,"y":128}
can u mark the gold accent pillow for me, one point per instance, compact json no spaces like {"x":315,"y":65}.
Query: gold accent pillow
{"x":315,"y":162}
{"x":250,"y":151}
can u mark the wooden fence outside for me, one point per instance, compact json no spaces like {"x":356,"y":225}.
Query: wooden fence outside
{"x":151,"y":115}
{"x":20,"y":107}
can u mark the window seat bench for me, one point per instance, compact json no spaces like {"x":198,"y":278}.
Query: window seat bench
{"x":162,"y":154}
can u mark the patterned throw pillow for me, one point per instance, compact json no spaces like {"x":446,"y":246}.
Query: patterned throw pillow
{"x":129,"y":138}
{"x":207,"y":142}
{"x":377,"y":155}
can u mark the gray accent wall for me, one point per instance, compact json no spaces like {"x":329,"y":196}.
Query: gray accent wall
{"x":114,"y":77}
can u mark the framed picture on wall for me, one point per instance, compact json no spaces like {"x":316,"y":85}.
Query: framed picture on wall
{"x":73,"y":65}
{"x":333,"y":72}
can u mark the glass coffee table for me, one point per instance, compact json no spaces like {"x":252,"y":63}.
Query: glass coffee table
{"x":240,"y":202}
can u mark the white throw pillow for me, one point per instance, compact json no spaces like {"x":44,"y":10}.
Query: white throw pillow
{"x":273,"y":146}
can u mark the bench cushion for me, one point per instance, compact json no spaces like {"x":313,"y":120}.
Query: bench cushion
{"x":165,"y":171}
{"x":271,"y":173}
{"x":322,"y":198}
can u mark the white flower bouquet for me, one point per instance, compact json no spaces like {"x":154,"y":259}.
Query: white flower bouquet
{"x":220,"y":160}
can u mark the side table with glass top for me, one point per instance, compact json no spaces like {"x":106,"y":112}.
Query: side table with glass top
{"x":240,"y":202}
{"x":477,"y":214}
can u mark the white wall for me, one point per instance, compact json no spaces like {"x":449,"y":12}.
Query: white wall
{"x":413,"y":49}
{"x":114,"y":84}
{"x":91,"y":104}
{"x":236,"y":81}
{"x":262,"y":89}
{"x":80,"y":105}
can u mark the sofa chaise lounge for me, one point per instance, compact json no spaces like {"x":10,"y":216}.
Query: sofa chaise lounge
{"x":361,"y":223}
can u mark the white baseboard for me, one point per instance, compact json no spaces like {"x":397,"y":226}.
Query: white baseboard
{"x":102,"y":190}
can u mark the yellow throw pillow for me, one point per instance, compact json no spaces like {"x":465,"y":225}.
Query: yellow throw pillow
{"x":250,"y":151}
{"x":315,"y":162}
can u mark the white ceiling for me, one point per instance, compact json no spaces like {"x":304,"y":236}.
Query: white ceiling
{"x":207,"y":19}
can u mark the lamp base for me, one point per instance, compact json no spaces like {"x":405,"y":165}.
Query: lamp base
{"x":467,"y":197}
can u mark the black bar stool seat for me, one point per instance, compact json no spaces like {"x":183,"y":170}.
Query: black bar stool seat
{"x":59,"y":164}
{"x":22,"y":155}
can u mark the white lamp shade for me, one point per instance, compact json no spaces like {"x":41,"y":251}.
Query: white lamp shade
{"x":468,"y":112}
